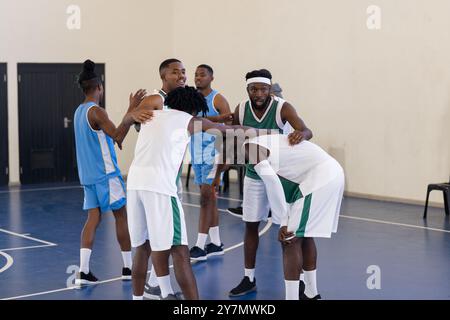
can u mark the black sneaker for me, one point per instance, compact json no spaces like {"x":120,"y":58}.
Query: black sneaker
{"x":305,"y":297}
{"x":301,"y":288}
{"x":243,"y":288}
{"x":197,"y":254}
{"x":152,"y":293}
{"x":84,"y":278}
{"x":237,"y":212}
{"x":176,"y":296}
{"x":126,"y":274}
{"x":214,"y":250}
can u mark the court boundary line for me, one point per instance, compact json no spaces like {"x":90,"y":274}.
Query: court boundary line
{"x":261,"y":233}
{"x":264,"y":230}
{"x":9,"y":261}
{"x":29,"y":247}
{"x":27,"y":237}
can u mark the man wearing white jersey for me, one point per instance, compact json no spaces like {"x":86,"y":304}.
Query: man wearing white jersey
{"x":173,"y":75}
{"x":306,"y":188}
{"x":156,"y":217}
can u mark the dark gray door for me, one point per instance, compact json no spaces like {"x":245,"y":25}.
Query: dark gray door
{"x":4,"y":168}
{"x":48,"y":98}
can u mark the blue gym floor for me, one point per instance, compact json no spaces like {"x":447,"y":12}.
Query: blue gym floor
{"x":40,"y":237}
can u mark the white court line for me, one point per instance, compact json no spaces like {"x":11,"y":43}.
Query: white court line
{"x":262,"y":232}
{"x":27,"y":237}
{"x":41,"y":189}
{"x":395,"y":223}
{"x":9,"y":261}
{"x":29,"y":247}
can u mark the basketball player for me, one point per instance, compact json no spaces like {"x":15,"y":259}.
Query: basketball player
{"x":155,"y":215}
{"x":98,"y":171}
{"x":173,"y":75}
{"x":203,"y":158}
{"x":264,"y":111}
{"x":306,"y":188}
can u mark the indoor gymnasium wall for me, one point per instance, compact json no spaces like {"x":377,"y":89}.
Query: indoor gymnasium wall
{"x":377,"y":100}
{"x":131,"y":38}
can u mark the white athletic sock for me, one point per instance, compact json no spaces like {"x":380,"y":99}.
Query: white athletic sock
{"x":85,"y":256}
{"x":153,"y":279}
{"x":302,"y":277}
{"x":291,"y":289}
{"x":164,"y":284}
{"x":138,"y":297}
{"x":215,"y":235}
{"x":310,"y":283}
{"x":276,"y":196}
{"x":201,"y":240}
{"x":250,"y":273}
{"x":126,"y":257}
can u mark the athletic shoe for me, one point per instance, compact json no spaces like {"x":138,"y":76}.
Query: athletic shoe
{"x":246,"y":286}
{"x":214,"y":250}
{"x":305,"y":297}
{"x":126,"y":274}
{"x":301,"y":288}
{"x":152,"y":293}
{"x":197,"y":254}
{"x":84,"y":278}
{"x":237,"y":212}
{"x":176,"y":296}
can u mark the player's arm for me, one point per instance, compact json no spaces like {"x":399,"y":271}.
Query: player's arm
{"x":99,"y":120}
{"x":222,"y":106}
{"x":301,"y":131}
{"x":215,"y":128}
{"x":236,"y":116}
{"x":149,"y":103}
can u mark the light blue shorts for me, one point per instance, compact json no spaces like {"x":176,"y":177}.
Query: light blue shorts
{"x":107,"y":195}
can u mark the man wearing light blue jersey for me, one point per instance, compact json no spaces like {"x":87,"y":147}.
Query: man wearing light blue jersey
{"x":98,"y":171}
{"x":205,"y":165}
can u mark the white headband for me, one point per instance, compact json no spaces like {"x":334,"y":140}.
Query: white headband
{"x":260,"y":80}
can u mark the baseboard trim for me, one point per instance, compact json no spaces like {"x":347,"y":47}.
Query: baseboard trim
{"x":393,"y":199}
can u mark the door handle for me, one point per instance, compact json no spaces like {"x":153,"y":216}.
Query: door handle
{"x":66,"y":122}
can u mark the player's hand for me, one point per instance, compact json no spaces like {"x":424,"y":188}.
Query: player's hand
{"x":141,"y":115}
{"x":226,"y":117}
{"x":295,"y":137}
{"x":137,"y":98}
{"x":285,"y":236}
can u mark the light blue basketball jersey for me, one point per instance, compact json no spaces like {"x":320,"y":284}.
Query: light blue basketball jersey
{"x":202,"y":144}
{"x":96,"y":157}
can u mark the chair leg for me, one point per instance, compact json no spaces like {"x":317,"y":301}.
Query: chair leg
{"x":188,"y":175}
{"x":446,"y":202}
{"x":226,"y":181}
{"x":426,"y":204}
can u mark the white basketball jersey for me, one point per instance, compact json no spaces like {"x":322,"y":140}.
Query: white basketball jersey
{"x":305,"y":163}
{"x":159,"y":152}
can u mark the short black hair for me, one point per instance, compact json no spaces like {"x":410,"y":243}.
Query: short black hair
{"x":205,"y":66}
{"x":258,"y":73}
{"x":166,"y":63}
{"x":88,"y":79}
{"x":187,"y":99}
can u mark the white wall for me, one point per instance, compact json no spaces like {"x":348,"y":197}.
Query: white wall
{"x":376,"y":100}
{"x":131,"y":38}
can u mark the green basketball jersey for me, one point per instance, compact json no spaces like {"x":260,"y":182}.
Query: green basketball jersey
{"x":270,"y":120}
